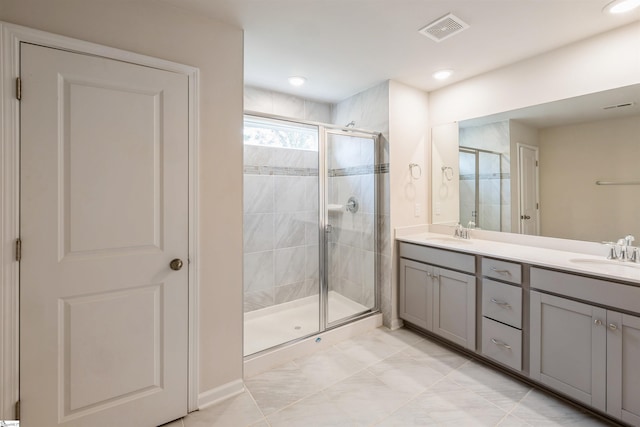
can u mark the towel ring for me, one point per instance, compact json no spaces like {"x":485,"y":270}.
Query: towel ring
{"x":413,"y":174}
{"x":447,"y":171}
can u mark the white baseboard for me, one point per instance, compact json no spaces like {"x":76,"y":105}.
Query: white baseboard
{"x":396,"y":324}
{"x":218,"y":394}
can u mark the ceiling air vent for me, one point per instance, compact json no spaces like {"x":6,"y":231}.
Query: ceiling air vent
{"x":626,"y":104}
{"x":444,"y":27}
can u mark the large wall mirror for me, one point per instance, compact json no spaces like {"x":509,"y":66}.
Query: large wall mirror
{"x":568,"y":169}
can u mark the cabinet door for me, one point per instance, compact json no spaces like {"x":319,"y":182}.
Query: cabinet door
{"x":623,"y":374}
{"x":568,"y":347}
{"x":454,"y":307}
{"x":416,"y":293}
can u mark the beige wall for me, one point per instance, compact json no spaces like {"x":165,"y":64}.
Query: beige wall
{"x":572,"y":159}
{"x":599,"y":63}
{"x":156,"y":29}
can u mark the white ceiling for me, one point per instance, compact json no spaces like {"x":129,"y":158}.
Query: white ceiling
{"x":345,"y":46}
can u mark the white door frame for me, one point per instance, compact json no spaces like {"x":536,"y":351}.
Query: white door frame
{"x":10,"y":38}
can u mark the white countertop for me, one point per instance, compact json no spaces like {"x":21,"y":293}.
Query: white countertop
{"x":563,"y":260}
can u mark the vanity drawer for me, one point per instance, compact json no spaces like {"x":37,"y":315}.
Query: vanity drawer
{"x":502,"y":302}
{"x":618,"y":295}
{"x":502,"y":343}
{"x":439,"y":257}
{"x":502,"y":270}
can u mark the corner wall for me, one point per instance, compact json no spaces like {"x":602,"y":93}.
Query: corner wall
{"x":409,"y":142}
{"x":156,"y":29}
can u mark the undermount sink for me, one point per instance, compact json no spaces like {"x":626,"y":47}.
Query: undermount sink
{"x":445,"y":239}
{"x":605,"y":263}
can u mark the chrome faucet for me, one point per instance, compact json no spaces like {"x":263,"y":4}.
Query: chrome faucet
{"x":623,"y":249}
{"x":462,"y":232}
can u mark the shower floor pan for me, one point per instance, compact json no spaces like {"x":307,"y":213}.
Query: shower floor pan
{"x":278,"y":324}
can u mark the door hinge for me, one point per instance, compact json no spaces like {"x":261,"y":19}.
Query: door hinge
{"x":537,"y":206}
{"x":19,"y":88}
{"x":18,"y":249}
{"x":536,"y":163}
{"x":17,"y":410}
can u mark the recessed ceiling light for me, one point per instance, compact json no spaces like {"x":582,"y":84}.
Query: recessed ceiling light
{"x":621,"y":6}
{"x":297,"y":80}
{"x":442,"y":74}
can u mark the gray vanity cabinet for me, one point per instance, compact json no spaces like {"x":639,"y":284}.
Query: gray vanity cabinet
{"x":438,"y":299}
{"x":588,"y":353}
{"x":568,"y":347}
{"x":623,"y":370}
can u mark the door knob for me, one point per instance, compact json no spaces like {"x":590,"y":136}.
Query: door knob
{"x":525,"y":217}
{"x":176,"y":264}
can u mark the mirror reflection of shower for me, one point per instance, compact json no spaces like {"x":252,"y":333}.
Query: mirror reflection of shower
{"x":481,"y":188}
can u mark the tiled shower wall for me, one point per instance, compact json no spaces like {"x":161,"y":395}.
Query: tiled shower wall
{"x":280,"y":225}
{"x":370,"y":110}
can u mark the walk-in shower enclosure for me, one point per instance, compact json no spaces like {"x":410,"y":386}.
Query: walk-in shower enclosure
{"x":309,"y":229}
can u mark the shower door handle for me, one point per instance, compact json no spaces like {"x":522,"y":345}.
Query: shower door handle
{"x":328,"y":228}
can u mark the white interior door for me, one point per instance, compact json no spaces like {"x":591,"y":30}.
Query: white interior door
{"x":104,"y":210}
{"x":528,"y":171}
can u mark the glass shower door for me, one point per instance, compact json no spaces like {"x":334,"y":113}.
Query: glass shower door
{"x":468,"y":187}
{"x":350,"y":224}
{"x":281,"y":238}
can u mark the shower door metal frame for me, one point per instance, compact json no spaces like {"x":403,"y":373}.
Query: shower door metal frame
{"x":323,"y":215}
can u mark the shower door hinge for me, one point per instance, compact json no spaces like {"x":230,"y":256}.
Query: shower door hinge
{"x":18,"y":249}
{"x":17,"y":410}
{"x":19,"y":89}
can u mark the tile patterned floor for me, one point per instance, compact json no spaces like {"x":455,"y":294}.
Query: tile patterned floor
{"x":387,"y":378}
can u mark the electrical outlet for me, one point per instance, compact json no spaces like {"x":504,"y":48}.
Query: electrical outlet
{"x":438,"y":208}
{"x":417,"y":209}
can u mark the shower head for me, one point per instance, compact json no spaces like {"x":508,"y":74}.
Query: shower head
{"x":352,"y":123}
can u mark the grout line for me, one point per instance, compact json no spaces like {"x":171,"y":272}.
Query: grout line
{"x":264,"y":417}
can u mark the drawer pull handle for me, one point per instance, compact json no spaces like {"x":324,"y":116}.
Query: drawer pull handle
{"x":503,"y":272}
{"x":501,"y":303}
{"x":500,"y":343}
{"x":613,"y":326}
{"x":597,"y":322}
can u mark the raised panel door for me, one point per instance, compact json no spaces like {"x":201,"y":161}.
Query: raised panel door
{"x":623,"y":375}
{"x":104,"y":210}
{"x":454,"y":307}
{"x":416,"y":293}
{"x":568,"y":347}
